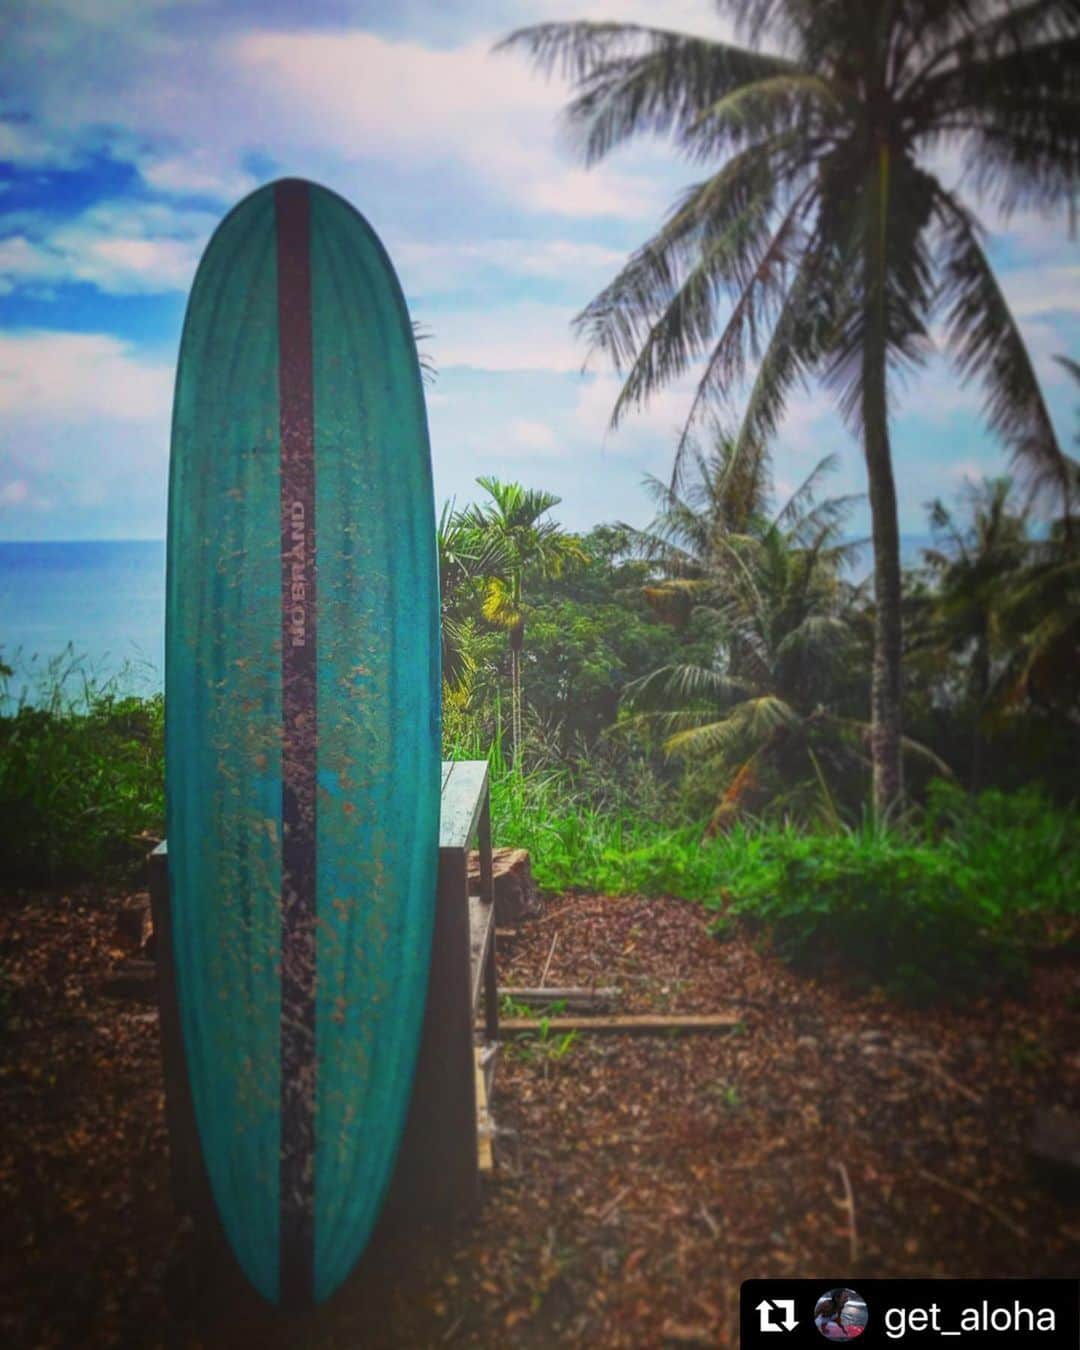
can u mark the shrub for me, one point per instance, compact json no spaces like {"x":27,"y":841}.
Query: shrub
{"x":81,"y":779}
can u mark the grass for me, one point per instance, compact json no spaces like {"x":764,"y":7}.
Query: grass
{"x":947,"y":903}
{"x":81,"y":776}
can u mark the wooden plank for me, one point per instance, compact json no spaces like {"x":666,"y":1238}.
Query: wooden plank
{"x":481,"y":936}
{"x":436,"y":1174}
{"x":484,"y":1157}
{"x":641,"y":1023}
{"x":464,"y":793}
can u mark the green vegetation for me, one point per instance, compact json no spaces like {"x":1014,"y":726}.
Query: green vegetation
{"x":948,"y":903}
{"x":81,"y":776}
{"x":693,"y":724}
{"x":822,"y":225}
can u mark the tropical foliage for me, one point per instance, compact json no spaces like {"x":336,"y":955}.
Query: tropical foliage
{"x":768,"y":589}
{"x":512,"y":533}
{"x":822,"y":222}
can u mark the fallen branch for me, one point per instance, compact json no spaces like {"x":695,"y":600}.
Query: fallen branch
{"x":853,"y":1230}
{"x":710,"y":1222}
{"x":925,"y":1061}
{"x":644,"y":1023}
{"x":612,"y":1205}
{"x":973,"y":1198}
{"x":547,"y":963}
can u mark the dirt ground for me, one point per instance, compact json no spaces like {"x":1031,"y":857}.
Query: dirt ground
{"x":638,"y":1180}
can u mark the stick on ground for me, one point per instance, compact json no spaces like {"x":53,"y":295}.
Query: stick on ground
{"x":644,"y":1023}
{"x":977,"y":1200}
{"x":853,"y":1230}
{"x":547,"y":963}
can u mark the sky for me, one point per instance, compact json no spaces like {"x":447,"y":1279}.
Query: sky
{"x":129,"y":127}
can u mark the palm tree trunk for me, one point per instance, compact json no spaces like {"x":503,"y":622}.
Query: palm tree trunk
{"x":981,"y":685}
{"x":886,"y":719}
{"x":515,"y":703}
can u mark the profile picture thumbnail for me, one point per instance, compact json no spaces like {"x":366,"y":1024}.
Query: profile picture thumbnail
{"x":841,"y":1315}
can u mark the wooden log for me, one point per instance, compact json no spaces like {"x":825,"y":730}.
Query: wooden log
{"x":644,"y":1023}
{"x":510,"y":881}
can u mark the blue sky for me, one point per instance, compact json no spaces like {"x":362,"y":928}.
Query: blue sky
{"x":129,"y":127}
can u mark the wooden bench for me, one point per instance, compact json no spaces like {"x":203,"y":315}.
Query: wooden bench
{"x":438,"y":1170}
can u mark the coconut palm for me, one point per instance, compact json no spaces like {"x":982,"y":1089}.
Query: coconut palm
{"x":824,"y":222}
{"x":520,"y":540}
{"x":976,"y":566}
{"x":768,"y":588}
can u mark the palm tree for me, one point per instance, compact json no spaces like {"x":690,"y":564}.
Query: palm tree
{"x":768,"y":587}
{"x":511,"y":525}
{"x":823,"y":221}
{"x":976,"y":567}
{"x":468,"y":557}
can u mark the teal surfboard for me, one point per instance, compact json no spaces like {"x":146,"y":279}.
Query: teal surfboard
{"x":302,"y":728}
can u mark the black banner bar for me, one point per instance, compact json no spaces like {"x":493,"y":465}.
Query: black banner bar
{"x":1017,"y":1314}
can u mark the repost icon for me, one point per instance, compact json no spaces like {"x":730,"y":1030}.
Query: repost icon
{"x":777,"y":1314}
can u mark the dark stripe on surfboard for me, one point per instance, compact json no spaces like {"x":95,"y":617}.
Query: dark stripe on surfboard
{"x":299,"y":739}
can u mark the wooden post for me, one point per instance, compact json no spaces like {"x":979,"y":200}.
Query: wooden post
{"x":487,"y":894}
{"x":483,"y":840}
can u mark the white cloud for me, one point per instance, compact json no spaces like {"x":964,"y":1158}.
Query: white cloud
{"x":71,"y":376}
{"x":197,"y":172}
{"x":362,"y":96}
{"x":122,"y":248}
{"x":84,"y":436}
{"x":531,"y":435}
{"x":24,"y":144}
{"x":430,"y":267}
{"x":527,"y":336}
{"x":314,"y":100}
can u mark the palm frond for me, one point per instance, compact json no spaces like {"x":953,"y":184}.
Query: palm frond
{"x":794,"y":101}
{"x":987,"y":343}
{"x":751,"y":722}
{"x":758,"y":302}
{"x":633,"y":79}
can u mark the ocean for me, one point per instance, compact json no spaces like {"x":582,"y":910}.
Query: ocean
{"x":93,"y":608}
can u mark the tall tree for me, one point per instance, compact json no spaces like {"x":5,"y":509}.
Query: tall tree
{"x":468,"y":558}
{"x":768,"y":587}
{"x":823,"y":220}
{"x":513,"y":527}
{"x":976,"y":566}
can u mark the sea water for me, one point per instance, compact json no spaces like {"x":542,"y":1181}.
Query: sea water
{"x":93,"y":609}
